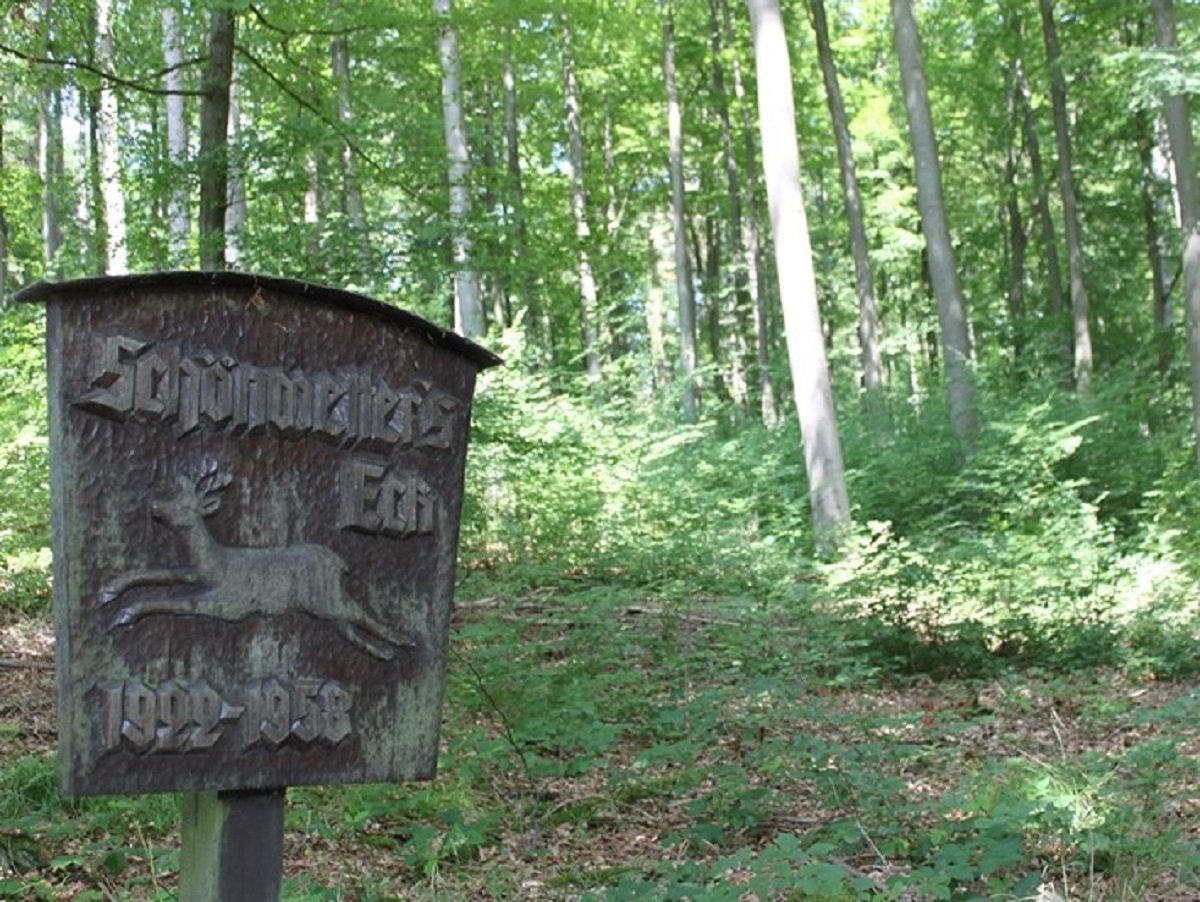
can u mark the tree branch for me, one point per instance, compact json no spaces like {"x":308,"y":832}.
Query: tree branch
{"x":288,"y":33}
{"x":311,"y":107}
{"x":108,"y":77}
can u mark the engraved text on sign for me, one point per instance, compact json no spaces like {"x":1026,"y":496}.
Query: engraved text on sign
{"x":176,"y":718}
{"x":155,"y":382}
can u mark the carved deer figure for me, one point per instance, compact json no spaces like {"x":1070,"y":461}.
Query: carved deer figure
{"x":233,"y":583}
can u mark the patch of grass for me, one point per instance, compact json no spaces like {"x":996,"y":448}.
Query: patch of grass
{"x":655,"y":693}
{"x":700,"y":756}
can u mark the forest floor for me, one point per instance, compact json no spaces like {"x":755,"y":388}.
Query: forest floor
{"x":603,"y":745}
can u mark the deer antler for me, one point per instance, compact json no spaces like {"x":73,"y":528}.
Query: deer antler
{"x":211,"y":481}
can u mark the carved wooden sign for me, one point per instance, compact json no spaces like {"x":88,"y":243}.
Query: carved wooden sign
{"x":256,"y":487}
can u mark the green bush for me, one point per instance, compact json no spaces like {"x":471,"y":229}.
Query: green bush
{"x":24,"y":462}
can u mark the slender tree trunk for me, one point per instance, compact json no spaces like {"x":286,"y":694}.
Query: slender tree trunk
{"x":1183,"y":153}
{"x":352,"y":194}
{"x":755,"y":269}
{"x":237,"y":212}
{"x":117,"y":252}
{"x":1037,"y":171}
{"x":3,"y":256}
{"x":1160,"y":297}
{"x":352,"y":198}
{"x":468,"y":304}
{"x":1079,"y":298}
{"x":1017,"y":237}
{"x":353,"y":248}
{"x":90,"y":208}
{"x":50,"y":159}
{"x":1042,"y":186}
{"x":178,"y":217}
{"x":518,"y":227}
{"x":952,"y":310}
{"x":313,"y":208}
{"x":589,"y":294}
{"x":214,"y":139}
{"x":797,"y":283}
{"x":707,"y":259}
{"x":3,"y":230}
{"x":1017,"y":242}
{"x":868,"y":314}
{"x":615,"y":316}
{"x":656,"y":317}
{"x":683,"y":270}
{"x":739,"y":307}
{"x":494,"y":279}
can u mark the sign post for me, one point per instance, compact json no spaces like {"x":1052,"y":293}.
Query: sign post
{"x":232,"y":846}
{"x":256,"y":487}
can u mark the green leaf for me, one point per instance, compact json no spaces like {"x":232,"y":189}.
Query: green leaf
{"x":116,"y":861}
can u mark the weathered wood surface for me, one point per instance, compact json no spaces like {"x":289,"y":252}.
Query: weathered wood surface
{"x":256,"y":488}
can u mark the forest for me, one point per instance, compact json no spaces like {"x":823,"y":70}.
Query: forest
{"x":832,"y":528}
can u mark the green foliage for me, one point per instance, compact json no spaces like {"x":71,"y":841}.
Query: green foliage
{"x":561,"y":485}
{"x":98,"y":842}
{"x":642,"y":629}
{"x":646,"y":648}
{"x":24,"y":451}
{"x":1024,"y":555}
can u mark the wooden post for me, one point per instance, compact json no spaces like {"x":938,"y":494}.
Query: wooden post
{"x":232,"y":846}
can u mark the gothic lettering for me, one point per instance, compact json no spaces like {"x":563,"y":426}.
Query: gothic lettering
{"x":351,"y":408}
{"x":178,"y":718}
{"x":385,"y":501}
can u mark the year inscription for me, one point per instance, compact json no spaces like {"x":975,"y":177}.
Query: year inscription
{"x":179,"y":717}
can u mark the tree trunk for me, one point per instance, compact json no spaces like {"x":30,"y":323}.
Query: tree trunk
{"x":50,"y":160}
{"x":769,"y":407}
{"x":1017,"y":243}
{"x":615,"y":315}
{"x":179,"y":226}
{"x":518,"y":227}
{"x":468,"y":305}
{"x":237,"y":212}
{"x":3,"y":230}
{"x":1041,"y":184}
{"x":1018,"y":239}
{"x":51,"y":166}
{"x":1160,"y":297}
{"x":952,"y":311}
{"x":683,"y":269}
{"x":797,"y":283}
{"x":214,"y":139}
{"x":116,"y":250}
{"x":3,"y":255}
{"x":1183,"y":152}
{"x":354,"y":252}
{"x":313,"y":209}
{"x":352,"y":198}
{"x":739,"y":306}
{"x":494,"y":280}
{"x":1079,"y":298}
{"x":589,"y":296}
{"x":90,"y":207}
{"x":707,"y":258}
{"x":868,"y":314}
{"x":656,"y":317}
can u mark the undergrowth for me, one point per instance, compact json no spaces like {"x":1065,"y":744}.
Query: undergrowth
{"x":656,"y":691}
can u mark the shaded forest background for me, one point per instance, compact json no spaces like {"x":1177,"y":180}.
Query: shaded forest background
{"x":580,"y":186}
